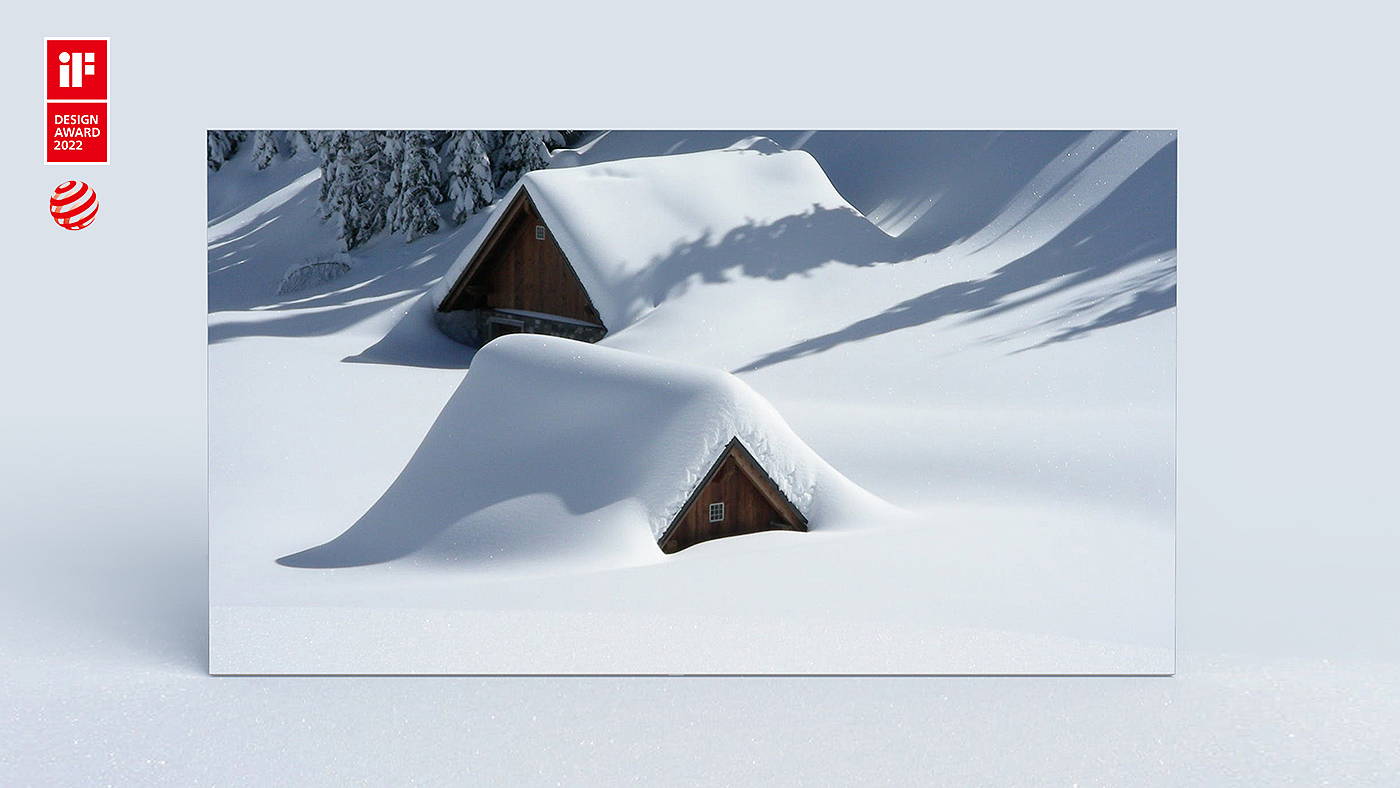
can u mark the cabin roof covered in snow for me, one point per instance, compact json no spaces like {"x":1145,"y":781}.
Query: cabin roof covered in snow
{"x":615,"y":221}
{"x":654,"y":426}
{"x":591,"y":429}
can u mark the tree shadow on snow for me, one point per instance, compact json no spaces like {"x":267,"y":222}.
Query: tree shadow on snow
{"x":944,"y":188}
{"x":1135,"y":222}
{"x":247,"y":267}
{"x":934,"y":189}
{"x":1146,"y":295}
{"x":791,"y":246}
{"x":372,"y":289}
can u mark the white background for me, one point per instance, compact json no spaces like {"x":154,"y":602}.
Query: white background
{"x":1288,"y":654}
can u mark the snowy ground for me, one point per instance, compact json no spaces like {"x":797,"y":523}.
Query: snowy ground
{"x":1002,"y":364}
{"x":1239,"y":721}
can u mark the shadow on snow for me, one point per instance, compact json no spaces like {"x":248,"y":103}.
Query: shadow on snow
{"x":1136,"y":221}
{"x":969,"y":177}
{"x":447,"y":489}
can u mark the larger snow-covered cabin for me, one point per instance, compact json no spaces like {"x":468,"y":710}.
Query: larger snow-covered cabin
{"x":519,"y":281}
{"x":581,"y":252}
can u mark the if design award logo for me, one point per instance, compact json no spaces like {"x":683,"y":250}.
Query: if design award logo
{"x":75,"y":97}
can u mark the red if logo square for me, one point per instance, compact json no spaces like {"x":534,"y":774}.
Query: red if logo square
{"x":77,"y":132}
{"x":76,"y":69}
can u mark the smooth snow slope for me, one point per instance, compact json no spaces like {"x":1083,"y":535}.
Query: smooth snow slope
{"x":598,"y":428}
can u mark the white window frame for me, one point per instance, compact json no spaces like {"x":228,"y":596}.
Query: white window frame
{"x":717,"y":512}
{"x":539,"y":232}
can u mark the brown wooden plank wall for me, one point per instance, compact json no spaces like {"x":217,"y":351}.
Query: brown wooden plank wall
{"x":523,"y":272}
{"x":746,"y":510}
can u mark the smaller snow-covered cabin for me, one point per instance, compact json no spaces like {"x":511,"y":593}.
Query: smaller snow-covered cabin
{"x":736,"y":497}
{"x":555,"y":449}
{"x":582,"y":252}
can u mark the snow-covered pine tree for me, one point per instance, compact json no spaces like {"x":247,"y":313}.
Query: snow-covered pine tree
{"x":363,"y":179}
{"x":413,"y":207}
{"x":495,"y":155}
{"x":381,"y":155}
{"x":392,"y":158}
{"x":264,"y":148}
{"x":222,"y":145}
{"x":446,"y":141}
{"x":340,"y":203}
{"x":520,"y":152}
{"x":350,"y":226}
{"x":300,"y":142}
{"x":535,"y":153}
{"x":218,"y":149}
{"x":333,"y":145}
{"x":468,"y":174}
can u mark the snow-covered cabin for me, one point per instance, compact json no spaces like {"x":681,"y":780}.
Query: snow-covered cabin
{"x":735,"y":497}
{"x":552,"y":446}
{"x":581,"y":252}
{"x":699,"y":453}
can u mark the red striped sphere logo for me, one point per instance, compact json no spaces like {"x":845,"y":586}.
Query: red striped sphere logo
{"x":73,"y":205}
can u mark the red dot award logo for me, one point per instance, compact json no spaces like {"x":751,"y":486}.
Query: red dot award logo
{"x":73,"y":205}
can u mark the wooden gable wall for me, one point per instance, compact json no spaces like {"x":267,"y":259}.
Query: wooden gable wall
{"x":516,"y":270}
{"x":752,"y":503}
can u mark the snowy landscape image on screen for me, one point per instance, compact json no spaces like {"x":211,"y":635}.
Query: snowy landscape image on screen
{"x":692,"y":402}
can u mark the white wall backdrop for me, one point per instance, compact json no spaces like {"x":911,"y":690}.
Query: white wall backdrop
{"x":1288,"y":653}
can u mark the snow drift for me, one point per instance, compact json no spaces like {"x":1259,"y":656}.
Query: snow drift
{"x":621,"y":440}
{"x":635,"y":230}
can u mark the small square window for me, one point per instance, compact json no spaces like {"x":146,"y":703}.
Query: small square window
{"x":716,"y":512}
{"x":539,"y":232}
